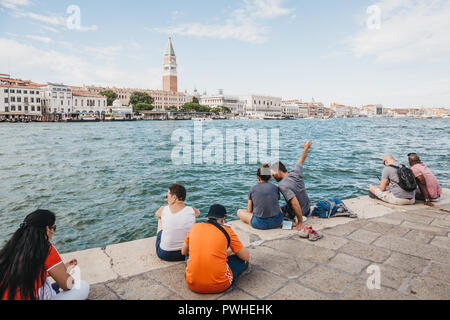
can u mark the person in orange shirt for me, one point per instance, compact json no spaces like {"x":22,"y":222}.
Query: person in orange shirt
{"x":209,"y":268}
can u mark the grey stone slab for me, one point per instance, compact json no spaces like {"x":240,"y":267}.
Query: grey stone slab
{"x":407,"y":262}
{"x":390,"y":277}
{"x":428,"y":288}
{"x":260,"y":283}
{"x":175,"y":279}
{"x":100,"y":292}
{"x":419,"y":236}
{"x":348,"y":263}
{"x":140,"y":287}
{"x":295,"y":291}
{"x":443,"y":223}
{"x":326,"y":280}
{"x":439,"y":271}
{"x":443,"y":242}
{"x":364,"y":236}
{"x":330,"y":242}
{"x":346,"y":229}
{"x":302,"y":249}
{"x":386,"y":228}
{"x":425,"y":228}
{"x":365,"y":251}
{"x":277,"y":262}
{"x":389,"y":220}
{"x":360,"y":291}
{"x":426,"y":251}
{"x":428,"y":212}
{"x":410,"y":216}
{"x":236,"y":294}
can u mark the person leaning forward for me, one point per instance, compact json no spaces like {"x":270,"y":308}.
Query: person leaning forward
{"x":209,"y":267}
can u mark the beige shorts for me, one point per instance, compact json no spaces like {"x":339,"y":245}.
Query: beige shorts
{"x":388,"y":197}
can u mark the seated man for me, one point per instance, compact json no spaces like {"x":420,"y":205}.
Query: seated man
{"x":429,"y":188}
{"x":209,"y":269}
{"x":293,"y":189}
{"x":396,"y":195}
{"x":263,"y":211}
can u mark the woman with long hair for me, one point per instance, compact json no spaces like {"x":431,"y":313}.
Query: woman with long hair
{"x":28,"y":258}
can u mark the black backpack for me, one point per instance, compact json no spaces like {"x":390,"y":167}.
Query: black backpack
{"x":407,"y":180}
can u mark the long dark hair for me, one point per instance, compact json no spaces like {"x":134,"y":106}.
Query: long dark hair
{"x":22,"y":259}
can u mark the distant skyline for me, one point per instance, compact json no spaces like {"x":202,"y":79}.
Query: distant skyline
{"x":355,"y":52}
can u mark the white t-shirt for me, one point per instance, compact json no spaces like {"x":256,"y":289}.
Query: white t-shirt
{"x":176,"y":227}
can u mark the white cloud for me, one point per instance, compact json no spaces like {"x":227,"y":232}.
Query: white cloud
{"x":39,"y":38}
{"x":56,"y":66}
{"x":411,"y":30}
{"x":245,"y":24}
{"x":13,"y":4}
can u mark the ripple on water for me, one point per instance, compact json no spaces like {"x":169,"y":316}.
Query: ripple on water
{"x":105,"y":181}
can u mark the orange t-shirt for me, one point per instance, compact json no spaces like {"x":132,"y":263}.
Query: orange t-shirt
{"x":53,"y":259}
{"x":207,"y":268}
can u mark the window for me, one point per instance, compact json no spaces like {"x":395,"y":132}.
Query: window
{"x":76,"y":102}
{"x":37,"y":92}
{"x":32,"y":100}
{"x":25,"y":92}
{"x":12,"y":91}
{"x":31,"y":92}
{"x":6,"y":90}
{"x":25,"y":100}
{"x":19,"y":108}
{"x":13,"y":99}
{"x":19,"y":99}
{"x":38,"y":108}
{"x":62,"y":103}
{"x":6,"y":100}
{"x":6,"y":109}
{"x":38,"y":100}
{"x":13,"y":108}
{"x":26,"y":108}
{"x":19,"y":91}
{"x":32,"y":108}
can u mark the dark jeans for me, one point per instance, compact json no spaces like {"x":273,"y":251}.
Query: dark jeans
{"x":267,"y":223}
{"x":289,"y":212}
{"x":236,"y":264}
{"x":170,"y":256}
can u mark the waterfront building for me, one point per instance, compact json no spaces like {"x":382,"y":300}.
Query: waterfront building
{"x":372,"y":110}
{"x":259,"y":106}
{"x":87,"y":102}
{"x":57,"y":100}
{"x":341,"y":111}
{"x":234,"y":103}
{"x":20,"y":98}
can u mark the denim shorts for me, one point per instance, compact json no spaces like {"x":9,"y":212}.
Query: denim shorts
{"x":267,"y":223}
{"x":170,"y":256}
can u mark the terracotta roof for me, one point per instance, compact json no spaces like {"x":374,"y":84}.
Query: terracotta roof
{"x":77,"y":93}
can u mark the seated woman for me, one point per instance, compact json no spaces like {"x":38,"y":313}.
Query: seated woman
{"x":174,"y":223}
{"x":28,"y":258}
{"x":263,"y":203}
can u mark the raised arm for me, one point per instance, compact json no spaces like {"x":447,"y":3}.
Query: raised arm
{"x":305,"y":152}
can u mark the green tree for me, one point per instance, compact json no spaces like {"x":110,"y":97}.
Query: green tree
{"x":172,"y":108}
{"x":142,"y":107}
{"x":110,"y":96}
{"x":195,"y":107}
{"x":140,"y":97}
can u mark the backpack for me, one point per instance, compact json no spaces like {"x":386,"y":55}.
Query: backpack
{"x":407,"y":180}
{"x":332,"y":207}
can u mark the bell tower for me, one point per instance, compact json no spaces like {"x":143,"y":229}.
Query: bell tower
{"x":170,"y":73}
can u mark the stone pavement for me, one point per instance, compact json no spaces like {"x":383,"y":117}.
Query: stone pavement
{"x":410,"y":246}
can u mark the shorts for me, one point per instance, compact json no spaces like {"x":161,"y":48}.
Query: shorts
{"x":388,"y":197}
{"x":267,"y":223}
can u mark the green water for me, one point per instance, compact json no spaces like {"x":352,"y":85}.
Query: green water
{"x":105,"y":181}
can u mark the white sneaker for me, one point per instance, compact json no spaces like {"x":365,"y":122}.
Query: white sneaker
{"x":305,"y":219}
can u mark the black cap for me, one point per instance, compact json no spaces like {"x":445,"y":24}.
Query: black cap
{"x":217,"y":211}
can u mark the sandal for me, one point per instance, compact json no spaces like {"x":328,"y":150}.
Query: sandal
{"x":315,"y":235}
{"x":304,"y":233}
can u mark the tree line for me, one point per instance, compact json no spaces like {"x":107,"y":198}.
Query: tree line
{"x":142,"y":101}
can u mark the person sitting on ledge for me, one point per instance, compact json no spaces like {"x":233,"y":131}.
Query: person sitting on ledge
{"x":209,"y":267}
{"x":264,"y":210}
{"x":28,"y":258}
{"x":395,"y":195}
{"x":293,"y":189}
{"x":429,"y":189}
{"x":174,"y":223}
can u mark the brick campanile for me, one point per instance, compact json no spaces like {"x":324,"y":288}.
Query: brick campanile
{"x":170,"y":73}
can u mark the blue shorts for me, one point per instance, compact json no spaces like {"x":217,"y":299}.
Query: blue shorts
{"x":170,"y":256}
{"x":267,"y":223}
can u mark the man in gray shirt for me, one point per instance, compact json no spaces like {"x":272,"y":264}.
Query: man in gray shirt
{"x":395,"y":195}
{"x":293,"y":188}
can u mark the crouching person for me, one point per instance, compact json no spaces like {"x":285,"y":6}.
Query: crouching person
{"x":209,"y":267}
{"x":28,"y":258}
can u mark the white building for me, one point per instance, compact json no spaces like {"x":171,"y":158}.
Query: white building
{"x":232,"y":102}
{"x":57,"y":99}
{"x":290,"y":109}
{"x":86,"y":102}
{"x":262,"y":106}
{"x":19,"y":98}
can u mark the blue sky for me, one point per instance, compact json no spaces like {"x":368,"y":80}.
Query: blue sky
{"x":286,"y":48}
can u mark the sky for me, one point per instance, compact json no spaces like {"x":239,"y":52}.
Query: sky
{"x":353,"y":52}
